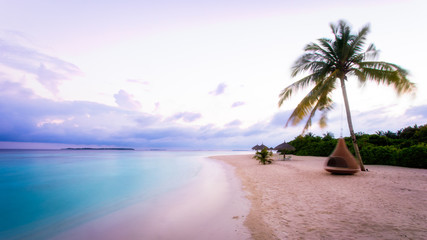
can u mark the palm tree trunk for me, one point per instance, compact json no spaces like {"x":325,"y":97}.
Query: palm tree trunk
{"x":350,"y":125}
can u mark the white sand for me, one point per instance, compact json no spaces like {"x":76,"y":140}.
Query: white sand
{"x":211,"y":207}
{"x":297,"y":199}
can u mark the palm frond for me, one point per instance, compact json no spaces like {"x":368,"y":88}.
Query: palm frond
{"x":334,"y":28}
{"x":303,"y":109}
{"x":319,"y":72}
{"x":312,"y":66}
{"x":288,"y":91}
{"x":359,"y":74}
{"x":386,"y":73}
{"x":341,"y":29}
{"x":324,"y":103}
{"x":317,"y":98}
{"x":371,"y":52}
{"x":357,"y":43}
{"x":328,"y":50}
{"x":323,"y":119}
{"x":327,"y":105}
{"x":344,"y":47}
{"x":314,"y":58}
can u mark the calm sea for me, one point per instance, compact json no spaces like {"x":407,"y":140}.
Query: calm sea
{"x":45,"y":192}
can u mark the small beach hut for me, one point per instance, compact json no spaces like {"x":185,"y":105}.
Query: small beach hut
{"x":259,"y":147}
{"x":262,"y":146}
{"x":284,"y":146}
{"x":341,"y":161}
{"x":255,"y":147}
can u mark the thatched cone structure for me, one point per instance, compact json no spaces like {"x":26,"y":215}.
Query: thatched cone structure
{"x":259,"y":147}
{"x":284,"y":146}
{"x":341,"y":161}
{"x":262,"y":146}
{"x":256,"y":147}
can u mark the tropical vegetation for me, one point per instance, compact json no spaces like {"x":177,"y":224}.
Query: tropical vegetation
{"x":264,"y":156}
{"x":334,"y":60}
{"x":406,"y":147}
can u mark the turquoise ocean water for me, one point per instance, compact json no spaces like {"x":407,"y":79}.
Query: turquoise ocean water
{"x":45,"y":192}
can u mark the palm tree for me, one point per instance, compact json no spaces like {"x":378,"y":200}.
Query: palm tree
{"x":333,"y":59}
{"x":264,"y":156}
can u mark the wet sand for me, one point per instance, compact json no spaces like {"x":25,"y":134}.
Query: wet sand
{"x":211,"y":207}
{"x":297,"y":199}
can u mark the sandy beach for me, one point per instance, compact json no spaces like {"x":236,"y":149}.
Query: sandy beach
{"x":297,"y":199}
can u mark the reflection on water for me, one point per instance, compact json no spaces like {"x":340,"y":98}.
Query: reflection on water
{"x":47,"y":192}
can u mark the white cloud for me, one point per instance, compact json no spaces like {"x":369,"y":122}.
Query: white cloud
{"x":126,"y":100}
{"x":50,"y":121}
{"x":186,"y":116}
{"x":234,"y":123}
{"x":138,"y":81}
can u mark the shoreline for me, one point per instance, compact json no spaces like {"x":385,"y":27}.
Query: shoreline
{"x":297,"y":199}
{"x":211,"y":206}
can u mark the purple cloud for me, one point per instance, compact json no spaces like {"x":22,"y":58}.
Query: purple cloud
{"x":237,"y":104}
{"x":26,"y":117}
{"x":219,"y":89}
{"x":49,"y":71}
{"x":126,"y":100}
{"x":417,"y":111}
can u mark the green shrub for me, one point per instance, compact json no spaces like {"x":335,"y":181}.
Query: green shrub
{"x":264,"y":156}
{"x":414,"y":156}
{"x":313,"y":146}
{"x":378,"y":140}
{"x":324,"y":148}
{"x":382,"y":155}
{"x":407,"y":147}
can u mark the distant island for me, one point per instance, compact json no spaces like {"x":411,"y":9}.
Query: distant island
{"x":97,"y":149}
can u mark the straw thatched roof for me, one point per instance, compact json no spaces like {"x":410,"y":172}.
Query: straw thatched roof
{"x":262,"y":146}
{"x":255,"y":147}
{"x":259,"y":147}
{"x":284,"y":146}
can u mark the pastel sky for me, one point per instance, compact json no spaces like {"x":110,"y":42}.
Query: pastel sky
{"x":189,"y":74}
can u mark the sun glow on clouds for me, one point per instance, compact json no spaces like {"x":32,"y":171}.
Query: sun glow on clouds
{"x":50,"y":121}
{"x":205,"y":76}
